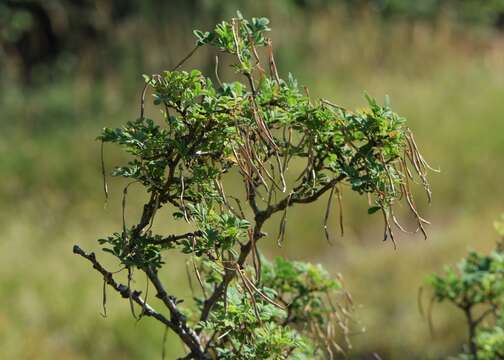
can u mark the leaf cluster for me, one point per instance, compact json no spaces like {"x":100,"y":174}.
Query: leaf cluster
{"x":295,"y":312}
{"x":478,"y":279}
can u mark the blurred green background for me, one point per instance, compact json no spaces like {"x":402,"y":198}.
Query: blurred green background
{"x":69,"y":68}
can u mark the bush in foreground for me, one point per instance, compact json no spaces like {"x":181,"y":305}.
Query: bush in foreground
{"x":248,"y":307}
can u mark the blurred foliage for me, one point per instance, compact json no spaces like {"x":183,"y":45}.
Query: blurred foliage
{"x":477,"y":289}
{"x":35,"y":32}
{"x":476,"y":12}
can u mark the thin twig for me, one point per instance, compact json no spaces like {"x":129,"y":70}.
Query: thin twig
{"x":191,"y":53}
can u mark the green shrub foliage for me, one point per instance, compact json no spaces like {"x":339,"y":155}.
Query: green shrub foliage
{"x":288,"y":149}
{"x":476,"y":287}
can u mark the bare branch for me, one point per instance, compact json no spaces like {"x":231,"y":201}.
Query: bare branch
{"x":122,"y":289}
{"x":188,"y":336}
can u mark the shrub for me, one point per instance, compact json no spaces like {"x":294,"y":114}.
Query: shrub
{"x":476,"y":287}
{"x":248,"y":307}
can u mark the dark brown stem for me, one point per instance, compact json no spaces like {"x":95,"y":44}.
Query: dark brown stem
{"x":167,"y":241}
{"x":122,"y":289}
{"x":191,"y":53}
{"x":472,"y":324}
{"x":188,"y":336}
{"x":177,"y":322}
{"x":491,"y":310}
{"x":251,"y":83}
{"x":295,"y":199}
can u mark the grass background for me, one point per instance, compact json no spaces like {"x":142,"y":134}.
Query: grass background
{"x":446,"y":79}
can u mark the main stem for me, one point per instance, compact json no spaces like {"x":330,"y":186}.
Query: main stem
{"x":473,"y":349}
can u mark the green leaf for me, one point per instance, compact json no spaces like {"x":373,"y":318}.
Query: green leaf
{"x":373,"y":209}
